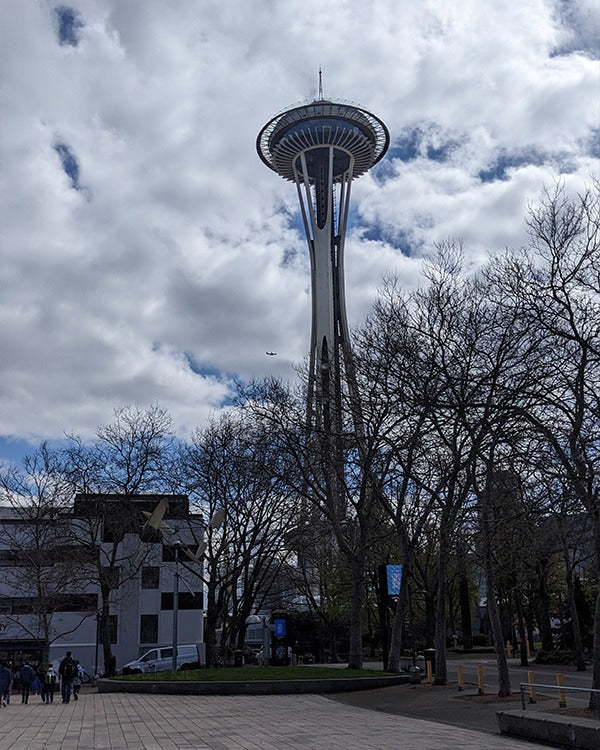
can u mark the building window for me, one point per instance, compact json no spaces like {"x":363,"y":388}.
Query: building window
{"x":148,"y":628}
{"x":168,"y":553}
{"x":186,"y":600}
{"x":150,"y":577}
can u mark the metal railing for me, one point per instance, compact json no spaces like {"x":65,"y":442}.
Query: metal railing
{"x":529,"y":688}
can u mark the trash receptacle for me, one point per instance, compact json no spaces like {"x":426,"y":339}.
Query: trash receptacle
{"x":415,"y":675}
{"x":429,"y":655}
{"x":238,"y":658}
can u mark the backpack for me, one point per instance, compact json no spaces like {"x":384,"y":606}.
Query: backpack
{"x":50,"y":677}
{"x":69,"y":670}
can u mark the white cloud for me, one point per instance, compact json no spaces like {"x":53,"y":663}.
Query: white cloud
{"x":180,"y":256}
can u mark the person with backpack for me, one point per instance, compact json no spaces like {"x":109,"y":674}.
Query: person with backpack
{"x":26,"y":676}
{"x":68,"y":672}
{"x":50,"y":680}
{"x":78,"y":680}
{"x":6,"y":680}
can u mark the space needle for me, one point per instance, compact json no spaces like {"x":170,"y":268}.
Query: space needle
{"x":322,"y":146}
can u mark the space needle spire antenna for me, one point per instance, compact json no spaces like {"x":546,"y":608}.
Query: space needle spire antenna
{"x":321,"y":146}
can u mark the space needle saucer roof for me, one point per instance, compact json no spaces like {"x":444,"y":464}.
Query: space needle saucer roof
{"x":322,"y":123}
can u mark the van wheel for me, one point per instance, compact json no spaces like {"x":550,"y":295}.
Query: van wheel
{"x":183,"y":667}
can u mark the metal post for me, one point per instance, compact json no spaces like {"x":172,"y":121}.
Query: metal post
{"x":480,"y":690}
{"x":97,"y":640}
{"x":562,"y":696}
{"x":266,"y":649}
{"x":175,"y":606}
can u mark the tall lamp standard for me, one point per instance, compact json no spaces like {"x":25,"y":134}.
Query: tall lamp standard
{"x":175,"y":605}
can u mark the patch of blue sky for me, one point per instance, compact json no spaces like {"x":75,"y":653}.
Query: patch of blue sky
{"x":407,"y":146}
{"x":207,"y":371}
{"x":396,"y":238}
{"x":213,"y":373}
{"x":424,"y":141}
{"x":69,"y":24}
{"x":69,"y":163}
{"x":14,"y":450}
{"x":594,"y":147}
{"x":289,"y":257}
{"x":505,"y":161}
{"x":584,"y":26}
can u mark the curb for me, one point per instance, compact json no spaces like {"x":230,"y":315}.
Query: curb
{"x":250,"y":687}
{"x":583,"y":734}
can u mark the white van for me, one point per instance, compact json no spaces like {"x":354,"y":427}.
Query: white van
{"x":161,"y":660}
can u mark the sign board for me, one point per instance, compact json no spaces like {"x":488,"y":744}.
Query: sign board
{"x":279,"y":628}
{"x":394,"y":579}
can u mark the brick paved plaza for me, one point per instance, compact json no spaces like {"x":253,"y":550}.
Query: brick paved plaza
{"x":112,"y":721}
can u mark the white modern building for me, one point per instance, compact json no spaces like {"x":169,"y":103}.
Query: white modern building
{"x":57,"y":570}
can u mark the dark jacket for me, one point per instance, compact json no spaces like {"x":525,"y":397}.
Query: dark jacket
{"x":6,"y":679}
{"x":26,"y":674}
{"x":68,"y":669}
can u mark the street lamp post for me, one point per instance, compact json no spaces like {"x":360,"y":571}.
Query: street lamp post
{"x":175,"y":605}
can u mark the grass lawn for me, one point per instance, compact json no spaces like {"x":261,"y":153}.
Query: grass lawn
{"x":244,"y":674}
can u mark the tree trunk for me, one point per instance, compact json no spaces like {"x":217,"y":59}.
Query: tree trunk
{"x":575,"y":627}
{"x":496,"y":626}
{"x":543,"y":609}
{"x":594,"y":697}
{"x":109,"y":662}
{"x":210,"y":632}
{"x":522,"y":631}
{"x":355,"y":657}
{"x":441,"y":669}
{"x":398,"y":624}
{"x":465,"y":604}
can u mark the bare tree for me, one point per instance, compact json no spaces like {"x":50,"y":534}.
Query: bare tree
{"x":557,"y":281}
{"x":234,"y":466}
{"x":43,"y":563}
{"x":126,"y":459}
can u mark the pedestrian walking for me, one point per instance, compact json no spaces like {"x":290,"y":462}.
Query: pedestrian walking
{"x":26,"y":675}
{"x":6,"y":679}
{"x":50,"y":682}
{"x":38,"y":685}
{"x":77,"y":681}
{"x":68,"y":672}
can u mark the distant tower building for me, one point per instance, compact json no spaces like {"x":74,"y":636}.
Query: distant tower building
{"x":322,"y":146}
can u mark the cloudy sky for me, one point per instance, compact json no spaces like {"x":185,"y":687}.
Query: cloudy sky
{"x":149,"y":257}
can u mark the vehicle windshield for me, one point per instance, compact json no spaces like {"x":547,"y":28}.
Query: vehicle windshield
{"x":150,"y":656}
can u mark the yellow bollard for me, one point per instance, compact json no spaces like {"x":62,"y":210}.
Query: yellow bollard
{"x":459,"y":676}
{"x":562,"y":697}
{"x":480,"y":679}
{"x":530,"y":679}
{"x":429,"y":668}
{"x":508,"y":650}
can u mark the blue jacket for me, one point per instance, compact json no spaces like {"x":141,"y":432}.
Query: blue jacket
{"x":5,"y":679}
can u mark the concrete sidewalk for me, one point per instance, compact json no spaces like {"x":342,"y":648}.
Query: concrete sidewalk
{"x":112,"y":721}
